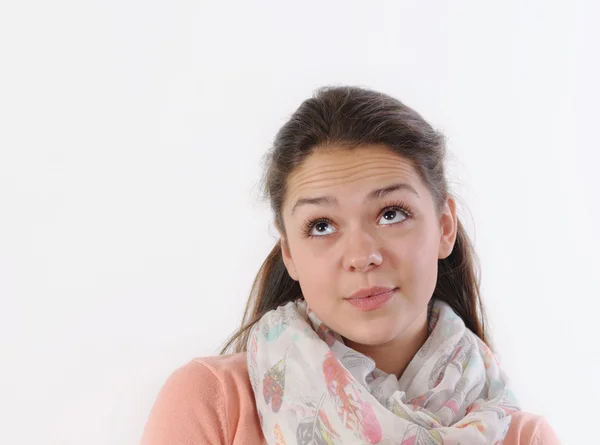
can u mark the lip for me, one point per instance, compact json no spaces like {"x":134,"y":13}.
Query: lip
{"x":370,"y":292}
{"x":371,"y":302}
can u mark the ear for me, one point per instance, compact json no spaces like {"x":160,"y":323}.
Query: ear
{"x":287,"y":259}
{"x":286,"y":254}
{"x":449,"y":228}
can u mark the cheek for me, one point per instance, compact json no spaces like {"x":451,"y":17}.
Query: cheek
{"x":315,"y":271}
{"x":317,"y":277}
{"x":318,"y":273}
{"x":420,"y":259}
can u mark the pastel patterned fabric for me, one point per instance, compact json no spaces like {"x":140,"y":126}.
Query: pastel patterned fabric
{"x":310,"y":388}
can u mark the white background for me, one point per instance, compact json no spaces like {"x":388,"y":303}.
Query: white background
{"x":131,"y":135}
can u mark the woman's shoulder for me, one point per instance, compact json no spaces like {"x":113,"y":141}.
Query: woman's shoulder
{"x":530,"y":429}
{"x":203,"y":399}
{"x":210,"y":375}
{"x":230,"y":364}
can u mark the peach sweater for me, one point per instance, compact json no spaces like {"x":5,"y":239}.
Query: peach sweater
{"x":210,"y":401}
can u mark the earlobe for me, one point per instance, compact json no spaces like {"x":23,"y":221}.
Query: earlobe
{"x":287,"y":259}
{"x":449,"y":228}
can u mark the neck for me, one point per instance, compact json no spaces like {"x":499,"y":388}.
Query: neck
{"x":394,"y":356}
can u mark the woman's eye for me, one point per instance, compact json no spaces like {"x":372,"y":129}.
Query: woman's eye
{"x":391,"y":217}
{"x":321,"y":228}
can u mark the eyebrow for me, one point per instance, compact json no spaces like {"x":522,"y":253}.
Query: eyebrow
{"x":375,"y":194}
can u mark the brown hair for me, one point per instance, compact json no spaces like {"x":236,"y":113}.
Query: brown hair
{"x":349,"y":117}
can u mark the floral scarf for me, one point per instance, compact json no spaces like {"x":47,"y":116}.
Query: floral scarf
{"x":310,"y":388}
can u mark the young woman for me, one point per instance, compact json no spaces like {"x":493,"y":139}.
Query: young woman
{"x":365,"y":323}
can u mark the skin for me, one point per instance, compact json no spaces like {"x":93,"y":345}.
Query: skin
{"x":364,"y":244}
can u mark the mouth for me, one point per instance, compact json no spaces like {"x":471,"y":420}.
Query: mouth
{"x":371,"y":292}
{"x":372,"y":298}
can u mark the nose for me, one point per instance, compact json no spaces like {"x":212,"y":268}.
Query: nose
{"x":362,"y":252}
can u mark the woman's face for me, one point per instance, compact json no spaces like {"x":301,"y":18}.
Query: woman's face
{"x":373,"y":224}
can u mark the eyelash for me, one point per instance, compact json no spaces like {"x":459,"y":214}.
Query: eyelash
{"x":400,"y":206}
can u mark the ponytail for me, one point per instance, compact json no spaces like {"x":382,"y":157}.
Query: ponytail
{"x":272,"y":288}
{"x":458,"y":285}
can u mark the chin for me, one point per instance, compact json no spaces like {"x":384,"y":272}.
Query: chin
{"x":372,"y":338}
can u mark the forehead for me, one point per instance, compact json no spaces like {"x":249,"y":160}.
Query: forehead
{"x":339,"y":171}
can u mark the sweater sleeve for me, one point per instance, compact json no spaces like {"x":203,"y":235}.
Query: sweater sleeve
{"x":545,"y":434}
{"x":530,"y":429}
{"x":190,"y":409}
